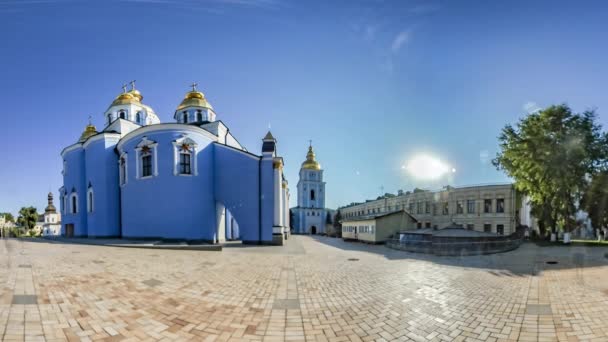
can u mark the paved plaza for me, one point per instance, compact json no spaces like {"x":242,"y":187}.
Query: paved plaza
{"x":312,"y":289}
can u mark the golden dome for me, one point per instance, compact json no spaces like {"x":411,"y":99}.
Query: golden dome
{"x":136,"y":94}
{"x":89,"y":131}
{"x":194,"y":98}
{"x":310,"y":163}
{"x":125,"y":98}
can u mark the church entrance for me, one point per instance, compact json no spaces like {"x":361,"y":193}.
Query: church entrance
{"x":313,"y":229}
{"x":69,"y":230}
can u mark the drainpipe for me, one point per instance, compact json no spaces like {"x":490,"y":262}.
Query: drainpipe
{"x":260,"y":201}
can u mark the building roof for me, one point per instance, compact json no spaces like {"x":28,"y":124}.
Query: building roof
{"x":379,"y":215}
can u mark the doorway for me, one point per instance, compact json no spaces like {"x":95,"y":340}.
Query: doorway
{"x":313,"y":230}
{"x":69,"y":230}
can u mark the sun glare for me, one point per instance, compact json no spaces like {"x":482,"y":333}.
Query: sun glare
{"x":427,"y":167}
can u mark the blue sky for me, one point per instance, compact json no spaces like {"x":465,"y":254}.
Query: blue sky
{"x":372,"y":83}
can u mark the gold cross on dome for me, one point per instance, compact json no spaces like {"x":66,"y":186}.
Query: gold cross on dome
{"x":310,"y":143}
{"x":124,"y":88}
{"x":194,"y":85}
{"x":132,"y":85}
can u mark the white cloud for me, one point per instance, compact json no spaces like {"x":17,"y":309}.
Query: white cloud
{"x":531,"y":107}
{"x":402,"y":38}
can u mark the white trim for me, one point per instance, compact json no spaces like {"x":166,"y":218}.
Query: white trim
{"x":90,"y":200}
{"x":70,"y":148}
{"x":166,"y":127}
{"x":145,"y":142}
{"x":73,"y":195}
{"x":193,"y":156}
{"x":99,"y":136}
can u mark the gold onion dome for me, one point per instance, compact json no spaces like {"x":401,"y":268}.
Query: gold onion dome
{"x":136,"y":94}
{"x":89,"y":131}
{"x":125,"y":98}
{"x":194,"y":98}
{"x":310,"y":163}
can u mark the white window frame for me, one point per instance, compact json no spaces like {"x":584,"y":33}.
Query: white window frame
{"x":138,"y":162}
{"x":177,"y":144}
{"x":74,"y":199}
{"x":90,"y":200}
{"x":122,"y":175}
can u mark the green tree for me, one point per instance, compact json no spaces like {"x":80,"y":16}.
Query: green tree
{"x":595,"y":200}
{"x":338,"y":224}
{"x":27,"y":217}
{"x":550,"y":155}
{"x":8,"y":217}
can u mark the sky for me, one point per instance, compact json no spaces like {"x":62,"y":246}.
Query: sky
{"x":372,"y":83}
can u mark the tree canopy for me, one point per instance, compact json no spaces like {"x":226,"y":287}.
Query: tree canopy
{"x":595,"y":200}
{"x":8,"y":217}
{"x":551,"y":155}
{"x":27,"y":217}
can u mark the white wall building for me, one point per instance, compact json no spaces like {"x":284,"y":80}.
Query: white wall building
{"x":51,"y":225}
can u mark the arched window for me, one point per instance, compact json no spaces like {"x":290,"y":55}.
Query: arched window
{"x":312,"y":194}
{"x":185,"y":117}
{"x":122,"y":169}
{"x":90,"y":200}
{"x":122,"y":115}
{"x":138,"y":117}
{"x":109,"y":119}
{"x":199,"y":116}
{"x":74,"y":203}
{"x":146,"y":162}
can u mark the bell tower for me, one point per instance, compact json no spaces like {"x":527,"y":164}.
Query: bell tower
{"x":310,"y":214}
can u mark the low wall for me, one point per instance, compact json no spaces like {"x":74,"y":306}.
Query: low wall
{"x":455,"y":245}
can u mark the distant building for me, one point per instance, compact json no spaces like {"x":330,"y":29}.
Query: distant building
{"x":487,"y":208}
{"x":310,"y":216}
{"x":51,"y":225}
{"x":377,"y":228}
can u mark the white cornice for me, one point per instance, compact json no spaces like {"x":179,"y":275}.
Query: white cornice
{"x":70,"y":149}
{"x":238,"y":150}
{"x":100,"y":136}
{"x":165,"y":127}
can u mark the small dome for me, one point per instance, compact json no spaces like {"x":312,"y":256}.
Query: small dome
{"x":50,"y":208}
{"x":89,"y":131}
{"x":194,"y":98}
{"x":310,"y":163}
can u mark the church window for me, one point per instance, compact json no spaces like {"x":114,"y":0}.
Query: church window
{"x":312,"y":195}
{"x":184,"y":152}
{"x":109,"y":119}
{"x":90,"y":200}
{"x":199,"y":116}
{"x":122,"y":114}
{"x":74,"y":203}
{"x":184,"y":163}
{"x":122,"y":170}
{"x":146,"y":161}
{"x":138,"y":117}
{"x":146,"y":164}
{"x":185,"y":117}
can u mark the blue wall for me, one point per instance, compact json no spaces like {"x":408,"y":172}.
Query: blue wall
{"x":74,"y":179}
{"x":237,"y":187}
{"x":101,"y":164}
{"x":166,"y":205}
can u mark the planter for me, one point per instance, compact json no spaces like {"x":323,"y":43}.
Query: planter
{"x":553,"y":237}
{"x":566,"y":238}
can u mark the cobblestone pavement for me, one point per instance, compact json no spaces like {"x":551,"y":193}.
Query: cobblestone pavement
{"x":313,"y":289}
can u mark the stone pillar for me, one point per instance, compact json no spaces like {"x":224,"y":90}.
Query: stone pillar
{"x":220,"y":236}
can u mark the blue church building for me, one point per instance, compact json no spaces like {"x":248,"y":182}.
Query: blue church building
{"x":186,"y":180}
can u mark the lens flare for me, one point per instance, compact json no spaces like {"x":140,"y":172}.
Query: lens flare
{"x":427,"y":167}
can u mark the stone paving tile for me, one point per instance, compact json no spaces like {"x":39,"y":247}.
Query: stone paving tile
{"x":307,"y":290}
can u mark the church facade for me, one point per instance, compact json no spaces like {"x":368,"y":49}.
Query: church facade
{"x":51,"y":225}
{"x":310,"y":216}
{"x":189,"y":180}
